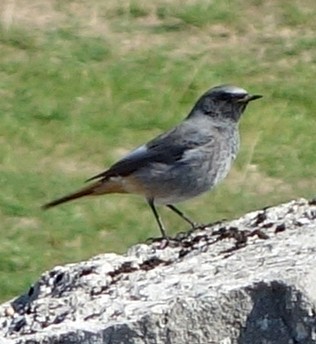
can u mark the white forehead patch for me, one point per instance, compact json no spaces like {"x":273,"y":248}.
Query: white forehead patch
{"x":235,"y":90}
{"x":228,"y":89}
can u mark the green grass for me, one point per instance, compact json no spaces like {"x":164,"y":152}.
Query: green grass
{"x":81,"y":88}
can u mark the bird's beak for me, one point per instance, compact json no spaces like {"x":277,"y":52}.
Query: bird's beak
{"x":254,"y":97}
{"x":249,"y":98}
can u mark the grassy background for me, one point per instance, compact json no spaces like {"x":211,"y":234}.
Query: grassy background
{"x":82,"y":83}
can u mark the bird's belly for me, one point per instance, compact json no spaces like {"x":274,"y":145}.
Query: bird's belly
{"x":182,"y":183}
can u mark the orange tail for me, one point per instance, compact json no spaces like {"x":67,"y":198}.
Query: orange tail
{"x":97,"y":188}
{"x":89,"y":190}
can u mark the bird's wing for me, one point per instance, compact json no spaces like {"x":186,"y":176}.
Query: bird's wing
{"x":166,"y":148}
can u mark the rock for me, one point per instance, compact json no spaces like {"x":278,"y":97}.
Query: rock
{"x":248,"y":281}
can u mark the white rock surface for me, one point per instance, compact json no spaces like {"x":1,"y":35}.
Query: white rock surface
{"x":248,"y":281}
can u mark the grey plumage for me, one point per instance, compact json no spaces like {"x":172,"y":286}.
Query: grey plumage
{"x":184,"y":162}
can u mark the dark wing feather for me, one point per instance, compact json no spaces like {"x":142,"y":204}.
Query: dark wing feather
{"x":167,"y":148}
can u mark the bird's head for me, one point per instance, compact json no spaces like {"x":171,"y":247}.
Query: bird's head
{"x":224,"y":102}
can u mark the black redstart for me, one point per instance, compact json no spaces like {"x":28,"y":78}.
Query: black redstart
{"x":182,"y":163}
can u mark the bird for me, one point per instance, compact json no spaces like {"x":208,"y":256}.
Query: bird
{"x":182,"y":163}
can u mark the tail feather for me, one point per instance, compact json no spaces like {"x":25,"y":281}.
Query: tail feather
{"x":78,"y":194}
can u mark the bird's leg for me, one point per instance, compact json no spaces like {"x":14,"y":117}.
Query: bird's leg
{"x":182,"y":215}
{"x":157,"y":217}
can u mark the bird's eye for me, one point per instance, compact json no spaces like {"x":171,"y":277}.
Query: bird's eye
{"x":225,"y":96}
